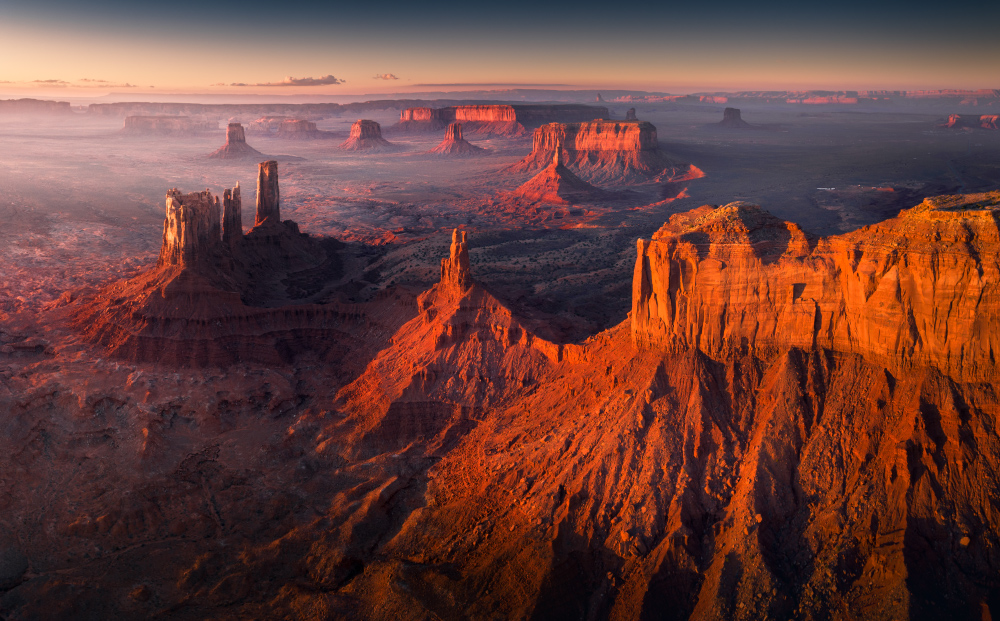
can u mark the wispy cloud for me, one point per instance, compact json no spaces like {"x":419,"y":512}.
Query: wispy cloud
{"x":386,"y":76}
{"x":480,"y":84}
{"x":290,"y":81}
{"x":51,"y":82}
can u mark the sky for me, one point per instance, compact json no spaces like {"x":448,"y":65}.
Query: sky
{"x":68,"y":48}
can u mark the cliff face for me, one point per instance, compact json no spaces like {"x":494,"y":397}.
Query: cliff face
{"x":985,"y":121}
{"x":268,"y":195}
{"x":366,"y":136}
{"x":603,"y":152}
{"x":501,"y":120}
{"x":167,"y":125}
{"x":191,"y":232}
{"x":919,"y":289}
{"x":731,"y":118}
{"x":236,"y":146}
{"x":557,"y":185}
{"x":454,"y":144}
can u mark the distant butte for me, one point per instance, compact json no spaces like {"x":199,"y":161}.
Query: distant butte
{"x":605,"y":152}
{"x":731,"y":119}
{"x":557,"y":185}
{"x":455,"y":145}
{"x":498,"y":120}
{"x":166,"y":125}
{"x":972,"y":121}
{"x":367,"y":136}
{"x":236,"y":146}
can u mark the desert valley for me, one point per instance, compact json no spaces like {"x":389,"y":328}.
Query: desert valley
{"x":716,"y":356}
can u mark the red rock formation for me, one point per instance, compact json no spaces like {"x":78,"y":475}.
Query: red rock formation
{"x":236,"y":146}
{"x":166,"y":125}
{"x":731,"y":119}
{"x":899,"y":293}
{"x":268,"y":195}
{"x":455,"y":275}
{"x":630,"y":115}
{"x":232,"y":219}
{"x":455,"y":145}
{"x":557,"y":185}
{"x":367,"y":136}
{"x":34,"y":106}
{"x":501,"y":120}
{"x":191,"y":233}
{"x":603,"y":152}
{"x":985,"y":121}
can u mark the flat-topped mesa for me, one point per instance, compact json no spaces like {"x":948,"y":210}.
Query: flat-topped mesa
{"x":191,"y":233}
{"x":236,"y":146}
{"x":495,"y":119}
{"x":454,"y":144}
{"x":630,"y":115}
{"x":366,"y":135}
{"x":920,"y":289}
{"x":603,"y":152}
{"x":455,"y":274}
{"x":268,"y":198}
{"x":731,"y":118}
{"x":232,"y":218}
{"x":166,"y":125}
{"x":972,"y":121}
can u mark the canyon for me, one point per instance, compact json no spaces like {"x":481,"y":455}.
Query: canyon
{"x":404,"y":386}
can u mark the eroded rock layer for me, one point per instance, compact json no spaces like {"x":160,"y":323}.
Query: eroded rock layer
{"x":557,"y":185}
{"x":972,"y":121}
{"x":502,"y":120}
{"x":732,"y":119}
{"x":603,"y":152}
{"x":920,"y":289}
{"x":236,"y":146}
{"x":454,"y":144}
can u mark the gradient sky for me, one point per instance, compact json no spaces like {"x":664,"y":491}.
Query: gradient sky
{"x":52,"y":47}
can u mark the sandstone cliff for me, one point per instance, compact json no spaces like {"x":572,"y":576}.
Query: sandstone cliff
{"x":454,"y":145}
{"x":630,"y":115}
{"x":166,"y":125}
{"x":603,"y":152}
{"x":367,"y":136}
{"x":236,"y":146}
{"x":501,"y":120}
{"x":268,"y":194}
{"x":915,"y":290}
{"x":985,"y":121}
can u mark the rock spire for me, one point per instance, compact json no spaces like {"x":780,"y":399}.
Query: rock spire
{"x":268,"y":200}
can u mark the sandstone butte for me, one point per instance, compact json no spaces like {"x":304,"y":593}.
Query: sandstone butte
{"x":498,"y":120}
{"x":605,"y":152}
{"x":784,"y":427}
{"x":985,"y":121}
{"x":236,"y":146}
{"x":367,"y":136}
{"x":732,"y":119}
{"x":167,"y":125}
{"x":454,"y":145}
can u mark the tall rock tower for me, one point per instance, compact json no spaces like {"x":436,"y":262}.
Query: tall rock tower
{"x":268,"y":200}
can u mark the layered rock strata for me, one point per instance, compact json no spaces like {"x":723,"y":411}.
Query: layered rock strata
{"x":166,"y":125}
{"x":503,"y":120}
{"x":268,"y":194}
{"x":971,"y":121}
{"x":236,"y":146}
{"x":367,"y":136}
{"x":603,"y":152}
{"x":455,"y":145}
{"x":920,"y":289}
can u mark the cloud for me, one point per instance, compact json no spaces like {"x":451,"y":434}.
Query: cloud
{"x":385,"y":76}
{"x":478,"y":84}
{"x":290,"y":81}
{"x":92,"y":80}
{"x":51,"y":82}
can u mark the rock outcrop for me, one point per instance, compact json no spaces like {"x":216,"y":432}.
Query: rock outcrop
{"x":454,"y":145}
{"x":268,"y":194}
{"x":731,"y":119}
{"x":166,"y":125}
{"x":498,"y":120}
{"x":191,"y":231}
{"x":455,"y":274}
{"x":557,"y":185}
{"x":630,"y":115}
{"x":971,"y":121}
{"x":236,"y":147}
{"x":603,"y":152}
{"x":920,"y":289}
{"x":232,"y":219}
{"x":367,"y":136}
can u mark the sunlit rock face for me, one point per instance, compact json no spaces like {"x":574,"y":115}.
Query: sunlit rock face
{"x":455,"y":274}
{"x":191,"y":232}
{"x":557,"y":185}
{"x":454,"y":144}
{"x":236,"y":146}
{"x":922,"y":288}
{"x":366,"y":135}
{"x":268,"y":196}
{"x":602,"y":152}
{"x":495,"y":119}
{"x":972,"y":121}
